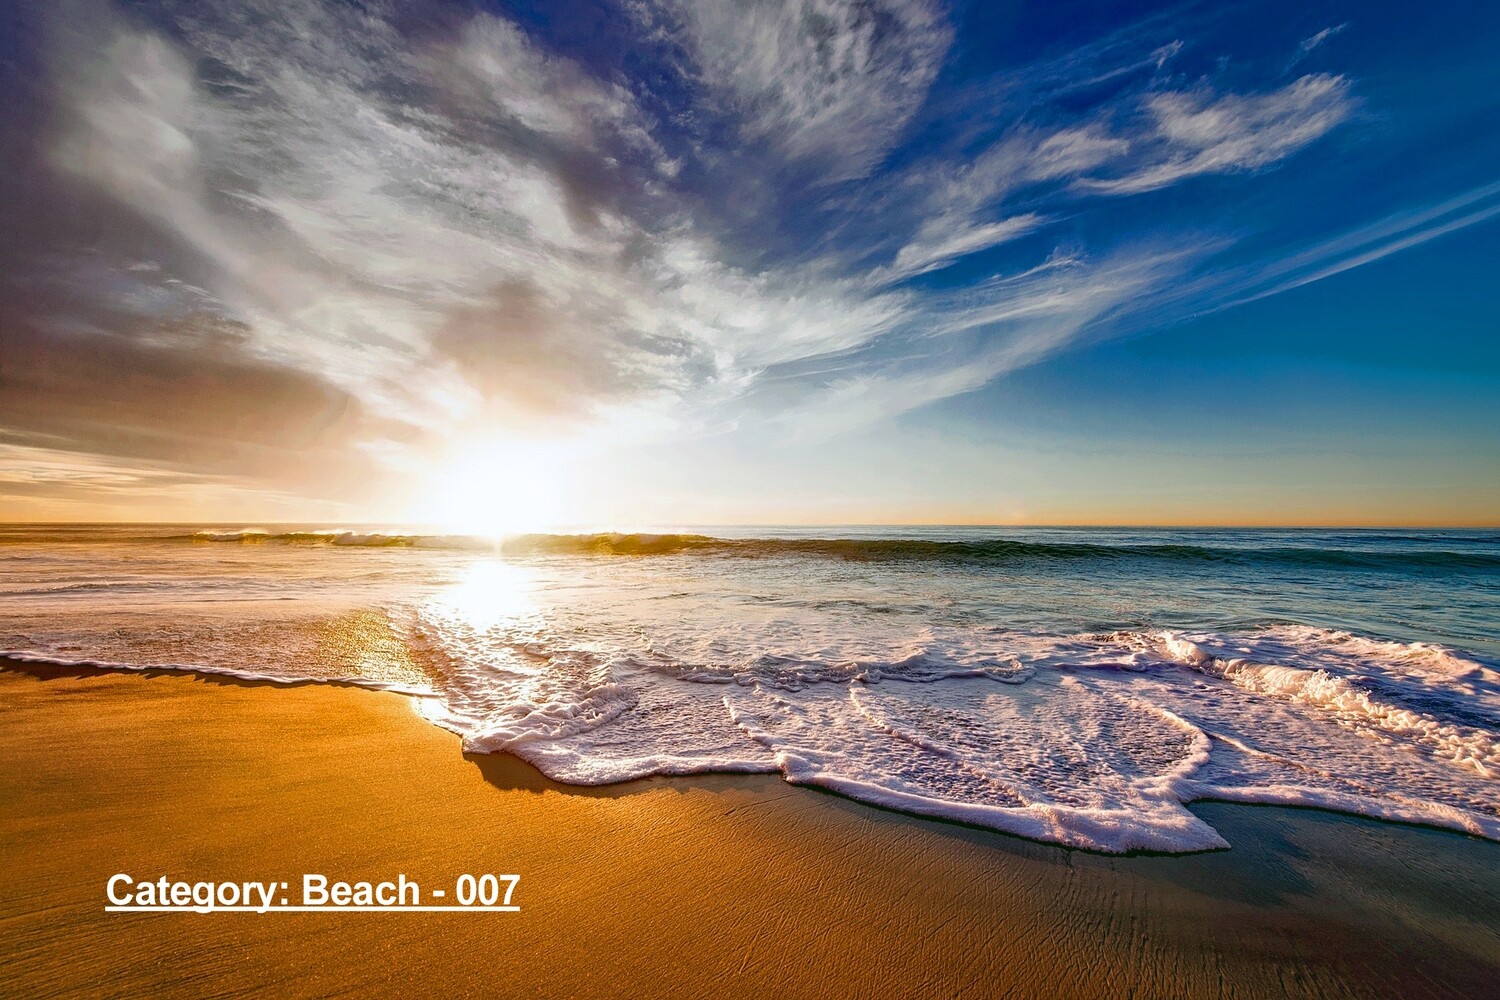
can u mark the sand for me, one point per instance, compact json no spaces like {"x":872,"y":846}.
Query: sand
{"x":672,"y":887}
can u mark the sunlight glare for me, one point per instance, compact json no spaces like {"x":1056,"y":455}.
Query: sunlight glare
{"x":489,"y":592}
{"x":497,"y":488}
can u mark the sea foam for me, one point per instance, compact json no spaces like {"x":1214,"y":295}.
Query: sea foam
{"x":1064,"y":686}
{"x":1093,"y":741}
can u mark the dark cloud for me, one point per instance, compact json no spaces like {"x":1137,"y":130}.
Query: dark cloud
{"x":530,"y":354}
{"x":180,"y":396}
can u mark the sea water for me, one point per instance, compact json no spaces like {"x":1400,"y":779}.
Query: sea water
{"x":1077,"y":686}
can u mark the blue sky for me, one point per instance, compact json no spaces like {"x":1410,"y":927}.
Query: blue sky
{"x":778,"y":261}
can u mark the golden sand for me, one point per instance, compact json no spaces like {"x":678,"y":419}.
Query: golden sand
{"x":675,"y":887}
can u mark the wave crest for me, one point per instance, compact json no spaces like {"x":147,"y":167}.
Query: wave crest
{"x":997,"y":550}
{"x":355,"y":539}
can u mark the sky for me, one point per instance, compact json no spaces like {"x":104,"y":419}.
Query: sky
{"x":513,"y":266}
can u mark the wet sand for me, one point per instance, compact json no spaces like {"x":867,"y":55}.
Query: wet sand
{"x":672,"y":887}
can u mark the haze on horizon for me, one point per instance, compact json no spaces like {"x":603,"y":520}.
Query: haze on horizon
{"x":503,"y":267}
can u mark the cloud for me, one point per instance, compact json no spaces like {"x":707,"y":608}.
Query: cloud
{"x":40,"y":482}
{"x":832,"y":81}
{"x":131,"y":106}
{"x":1165,"y":53}
{"x":406,"y":252}
{"x":943,"y":240}
{"x":1312,"y":42}
{"x":495,"y":68}
{"x":147,"y":386}
{"x":1197,"y":132}
{"x":955,"y":201}
{"x":1184,"y":134}
{"x":396,"y":228}
{"x":1026,"y":156}
{"x":1363,"y":245}
{"x":969,"y":338}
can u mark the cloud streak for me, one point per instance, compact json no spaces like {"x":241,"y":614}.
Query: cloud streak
{"x":1365,"y":245}
{"x":446,"y":225}
{"x":828,"y":81}
{"x":1199,"y":132}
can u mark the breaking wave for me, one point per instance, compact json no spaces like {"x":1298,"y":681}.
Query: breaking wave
{"x":1095,"y":741}
{"x":355,"y":539}
{"x":1475,"y":550}
{"x":1083,"y":699}
{"x":992,"y":550}
{"x":1090,"y":741}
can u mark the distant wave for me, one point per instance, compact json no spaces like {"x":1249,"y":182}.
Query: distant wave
{"x":993,"y":550}
{"x":147,"y":534}
{"x":1371,"y":551}
{"x":357,"y":539}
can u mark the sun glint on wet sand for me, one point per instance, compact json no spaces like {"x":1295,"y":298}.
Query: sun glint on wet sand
{"x":693,"y":887}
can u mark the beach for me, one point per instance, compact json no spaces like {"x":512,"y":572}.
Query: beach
{"x":777,"y":498}
{"x":694,"y":886}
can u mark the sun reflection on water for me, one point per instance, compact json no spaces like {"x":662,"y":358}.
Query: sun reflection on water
{"x":489,"y":592}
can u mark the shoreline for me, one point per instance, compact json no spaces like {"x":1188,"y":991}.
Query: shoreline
{"x":696,"y":884}
{"x":49,"y":667}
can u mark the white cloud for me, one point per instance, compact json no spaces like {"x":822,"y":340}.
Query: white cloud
{"x":429,"y":262}
{"x":969,"y":338}
{"x":1197,"y":132}
{"x":956,"y":199}
{"x":1364,"y":245}
{"x":457,"y":227}
{"x":495,"y":63}
{"x":943,"y":240}
{"x":1164,"y":54}
{"x":833,"y":81}
{"x":1308,"y":44}
{"x":133,"y":107}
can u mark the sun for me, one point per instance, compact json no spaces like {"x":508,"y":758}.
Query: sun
{"x":498,"y":488}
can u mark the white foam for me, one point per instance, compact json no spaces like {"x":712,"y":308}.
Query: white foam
{"x":880,"y":685}
{"x":1093,"y":741}
{"x":1349,"y":705}
{"x":1023,"y":760}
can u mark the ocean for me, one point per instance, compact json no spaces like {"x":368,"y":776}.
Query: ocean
{"x":1077,"y":686}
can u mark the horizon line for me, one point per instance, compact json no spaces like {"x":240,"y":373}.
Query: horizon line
{"x":595,"y":529}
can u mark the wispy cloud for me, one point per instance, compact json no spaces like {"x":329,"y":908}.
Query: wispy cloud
{"x":1172,"y":136}
{"x":956,"y":200}
{"x":407,"y":224}
{"x":1316,"y":39}
{"x":393,"y":246}
{"x":1200,"y":132}
{"x":969,"y":338}
{"x":833,"y":81}
{"x":1364,"y":245}
{"x":944,"y":239}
